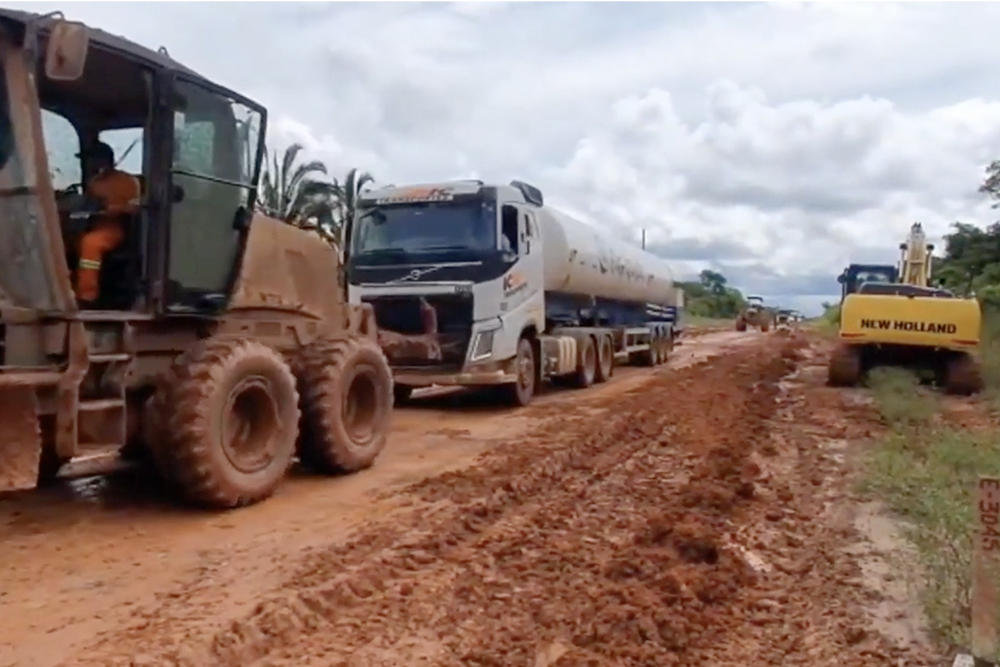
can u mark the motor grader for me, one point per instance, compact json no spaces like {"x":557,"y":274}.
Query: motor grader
{"x":221,"y":344}
{"x":903,"y":321}
{"x":754,"y":314}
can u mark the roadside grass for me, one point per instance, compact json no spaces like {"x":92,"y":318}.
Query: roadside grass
{"x":926,"y":473}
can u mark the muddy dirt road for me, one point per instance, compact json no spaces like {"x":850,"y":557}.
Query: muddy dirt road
{"x":94,"y":563}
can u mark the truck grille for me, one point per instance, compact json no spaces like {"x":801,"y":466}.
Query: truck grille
{"x":402,"y":315}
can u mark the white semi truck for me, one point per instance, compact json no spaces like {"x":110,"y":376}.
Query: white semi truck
{"x":475,"y":284}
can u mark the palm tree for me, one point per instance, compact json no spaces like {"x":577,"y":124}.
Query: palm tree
{"x":293,"y":192}
{"x":347,"y":194}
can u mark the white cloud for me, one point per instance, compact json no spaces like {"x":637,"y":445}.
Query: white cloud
{"x":775,"y":141}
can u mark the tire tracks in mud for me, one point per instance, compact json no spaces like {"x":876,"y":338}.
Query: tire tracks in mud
{"x":600,"y":540}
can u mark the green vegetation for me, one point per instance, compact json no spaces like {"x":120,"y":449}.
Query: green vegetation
{"x":711,"y":297}
{"x":303,"y":195}
{"x":926,"y":469}
{"x":926,"y":473}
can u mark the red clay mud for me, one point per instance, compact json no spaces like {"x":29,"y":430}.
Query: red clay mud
{"x":698,"y":516}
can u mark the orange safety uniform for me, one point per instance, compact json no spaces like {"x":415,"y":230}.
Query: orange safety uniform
{"x":120,"y":193}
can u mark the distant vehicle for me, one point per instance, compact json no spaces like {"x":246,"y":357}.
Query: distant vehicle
{"x":754,"y":314}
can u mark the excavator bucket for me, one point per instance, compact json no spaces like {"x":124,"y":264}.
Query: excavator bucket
{"x":20,"y":439}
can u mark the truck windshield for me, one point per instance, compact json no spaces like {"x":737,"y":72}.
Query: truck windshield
{"x":426,"y":227}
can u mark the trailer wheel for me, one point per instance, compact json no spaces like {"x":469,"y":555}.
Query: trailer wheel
{"x":586,"y":365}
{"x":666,"y":347}
{"x":605,"y":360}
{"x":649,"y":357}
{"x":521,"y":392}
{"x":347,"y":397}
{"x":232,"y":418}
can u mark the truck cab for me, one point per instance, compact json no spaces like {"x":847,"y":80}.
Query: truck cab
{"x":454,"y":274}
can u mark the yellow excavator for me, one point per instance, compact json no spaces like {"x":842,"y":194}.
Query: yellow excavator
{"x":911,"y":324}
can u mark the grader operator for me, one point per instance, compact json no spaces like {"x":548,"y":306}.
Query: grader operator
{"x":906,"y":322}
{"x":215,"y":339}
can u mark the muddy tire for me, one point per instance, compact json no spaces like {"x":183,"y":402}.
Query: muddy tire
{"x":226,"y":421}
{"x":648,"y":357}
{"x":764,"y":327}
{"x":844,"y":369}
{"x":666,"y":347}
{"x":963,"y":375}
{"x":520,"y":393}
{"x":741,"y":325}
{"x":347,"y":398}
{"x":586,"y":365}
{"x":605,"y":359}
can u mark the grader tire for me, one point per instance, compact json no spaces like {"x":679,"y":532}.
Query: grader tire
{"x":226,"y":421}
{"x":963,"y":375}
{"x":741,"y":325}
{"x":605,"y":360}
{"x":844,"y":369}
{"x":347,"y":398}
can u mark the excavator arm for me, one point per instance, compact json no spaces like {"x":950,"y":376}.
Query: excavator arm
{"x":915,"y":258}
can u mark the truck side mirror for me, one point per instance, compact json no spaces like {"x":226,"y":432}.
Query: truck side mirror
{"x":66,"y":53}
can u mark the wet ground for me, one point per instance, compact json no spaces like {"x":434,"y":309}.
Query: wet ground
{"x":693,"y":512}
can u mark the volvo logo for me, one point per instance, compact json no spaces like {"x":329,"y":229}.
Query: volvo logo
{"x":415,"y":274}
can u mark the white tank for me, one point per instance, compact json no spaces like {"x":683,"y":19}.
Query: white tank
{"x":583,"y":260}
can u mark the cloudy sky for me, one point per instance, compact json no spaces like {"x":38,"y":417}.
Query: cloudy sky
{"x":773,"y":142}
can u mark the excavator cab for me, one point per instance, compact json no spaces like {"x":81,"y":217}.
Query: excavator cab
{"x":856,"y":275}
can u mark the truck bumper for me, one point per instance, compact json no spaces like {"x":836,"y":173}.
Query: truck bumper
{"x":476,"y":376}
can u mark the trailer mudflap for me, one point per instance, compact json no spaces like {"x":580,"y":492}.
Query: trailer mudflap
{"x":20,"y":439}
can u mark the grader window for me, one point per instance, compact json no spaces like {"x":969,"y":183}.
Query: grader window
{"x":62,"y":144}
{"x":216,"y":144}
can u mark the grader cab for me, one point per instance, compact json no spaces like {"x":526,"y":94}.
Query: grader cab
{"x":221,"y":343}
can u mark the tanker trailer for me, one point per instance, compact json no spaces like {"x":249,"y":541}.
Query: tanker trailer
{"x":475,"y":284}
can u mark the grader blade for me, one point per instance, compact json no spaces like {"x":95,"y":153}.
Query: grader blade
{"x":20,"y":439}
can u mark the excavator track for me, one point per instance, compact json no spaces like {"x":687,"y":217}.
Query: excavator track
{"x":844,"y":369}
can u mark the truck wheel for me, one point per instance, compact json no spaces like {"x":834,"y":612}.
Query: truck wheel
{"x":347,"y":397}
{"x":229,"y":423}
{"x":605,"y":360}
{"x":963,"y":376}
{"x":741,"y":325}
{"x":666,"y":347}
{"x":586,"y":365}
{"x":649,"y":356}
{"x":844,"y":369}
{"x":521,"y":392}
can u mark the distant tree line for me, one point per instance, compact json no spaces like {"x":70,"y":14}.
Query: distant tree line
{"x":711,"y":296}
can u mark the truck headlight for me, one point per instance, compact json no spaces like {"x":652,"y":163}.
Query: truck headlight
{"x":483,"y":346}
